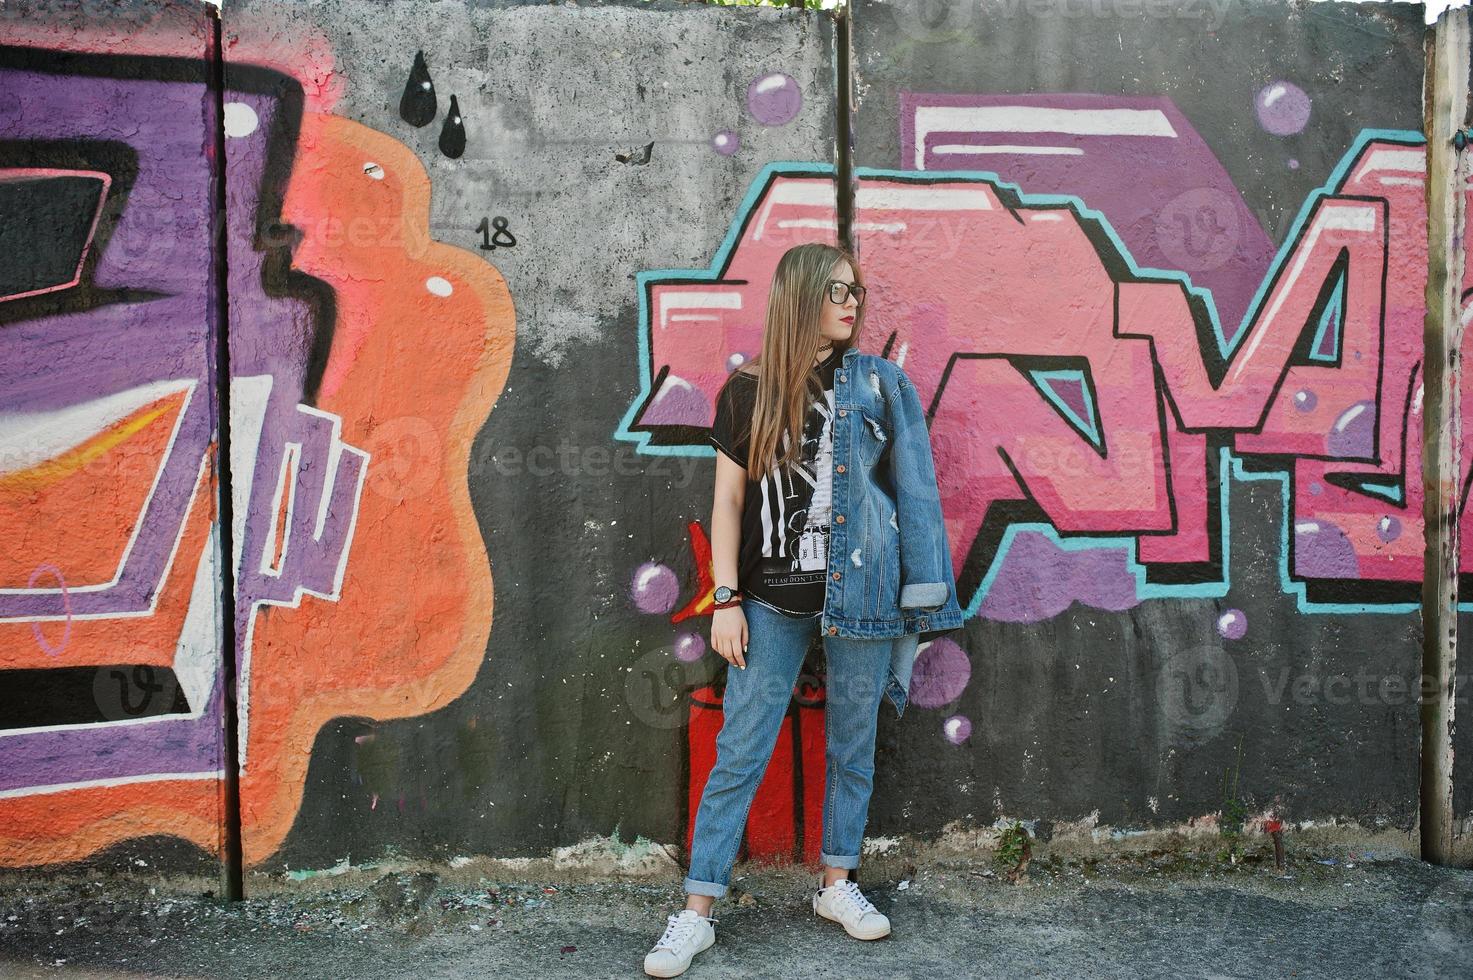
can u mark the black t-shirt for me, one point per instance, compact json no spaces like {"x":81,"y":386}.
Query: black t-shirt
{"x":784,"y":550}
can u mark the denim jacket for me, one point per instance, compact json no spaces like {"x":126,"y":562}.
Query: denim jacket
{"x":889,"y":567}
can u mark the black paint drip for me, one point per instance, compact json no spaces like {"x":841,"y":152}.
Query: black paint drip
{"x":452,"y":134}
{"x":417,"y":105}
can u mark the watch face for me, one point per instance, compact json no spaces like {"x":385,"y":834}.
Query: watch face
{"x":723,"y":594}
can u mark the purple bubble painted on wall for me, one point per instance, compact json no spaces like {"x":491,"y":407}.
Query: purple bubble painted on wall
{"x":1293,"y":164}
{"x":689,"y":647}
{"x":1354,"y":432}
{"x":941,"y":674}
{"x":1321,"y":550}
{"x":1316,"y":488}
{"x":726,"y":142}
{"x":774,"y":99}
{"x":735,"y":361}
{"x":957,"y":729}
{"x":1388,"y":529}
{"x":654,"y":588}
{"x":1283,"y":108}
{"x":1232,"y":625}
{"x":1305,"y":400}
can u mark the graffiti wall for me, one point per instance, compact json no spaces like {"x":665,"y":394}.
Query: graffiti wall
{"x":1162,"y":291}
{"x":112,"y":718}
{"x":359,"y":358}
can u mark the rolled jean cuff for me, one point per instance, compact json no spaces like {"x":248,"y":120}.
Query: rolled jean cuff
{"x":711,"y":888}
{"x":848,"y":863}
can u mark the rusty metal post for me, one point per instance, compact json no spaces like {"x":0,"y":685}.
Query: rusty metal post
{"x":1445,"y":100}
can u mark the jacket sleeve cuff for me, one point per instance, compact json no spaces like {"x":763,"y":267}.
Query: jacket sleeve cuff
{"x":919,"y":595}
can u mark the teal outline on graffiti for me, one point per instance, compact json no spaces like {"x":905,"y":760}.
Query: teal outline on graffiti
{"x":1230,"y":465}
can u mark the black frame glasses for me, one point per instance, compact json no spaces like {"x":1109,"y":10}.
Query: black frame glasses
{"x":839,"y":290}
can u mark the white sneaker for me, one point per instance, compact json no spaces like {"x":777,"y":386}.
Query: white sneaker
{"x":845,"y":904}
{"x":687,"y":933}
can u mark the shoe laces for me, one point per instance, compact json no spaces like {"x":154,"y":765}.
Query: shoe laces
{"x":849,"y":892}
{"x":678,"y":928}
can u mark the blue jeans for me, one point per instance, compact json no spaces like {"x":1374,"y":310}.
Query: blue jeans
{"x":753,"y":709}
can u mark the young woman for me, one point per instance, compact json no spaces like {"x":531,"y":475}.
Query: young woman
{"x":775,"y":432}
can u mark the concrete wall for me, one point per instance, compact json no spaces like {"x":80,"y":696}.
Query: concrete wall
{"x":484,"y":266}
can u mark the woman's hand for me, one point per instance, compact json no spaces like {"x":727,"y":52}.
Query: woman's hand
{"x":729,"y":635}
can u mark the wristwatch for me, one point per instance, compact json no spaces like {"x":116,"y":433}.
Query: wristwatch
{"x":726,"y":597}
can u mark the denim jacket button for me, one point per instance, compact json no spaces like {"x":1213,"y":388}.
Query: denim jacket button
{"x":841,"y":467}
{"x":843,"y":376}
{"x":843,"y":412}
{"x":839,"y":518}
{"x":833,"y":631}
{"x":838,"y":575}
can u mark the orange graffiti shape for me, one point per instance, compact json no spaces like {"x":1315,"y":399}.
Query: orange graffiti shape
{"x":421,"y":349}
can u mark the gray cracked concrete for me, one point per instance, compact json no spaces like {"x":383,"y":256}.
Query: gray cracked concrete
{"x":1149,"y":915}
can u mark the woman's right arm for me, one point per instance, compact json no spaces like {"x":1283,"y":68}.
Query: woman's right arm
{"x":728,"y":626}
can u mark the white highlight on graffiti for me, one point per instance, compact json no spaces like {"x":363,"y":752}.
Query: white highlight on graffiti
{"x":1417,"y":401}
{"x":889,"y":227}
{"x":1036,"y":217}
{"x":1409,"y":161}
{"x":922,"y":198}
{"x":980,"y":149}
{"x":696,"y":317}
{"x":29,"y":439}
{"x":1336,"y":217}
{"x":1274,"y":94}
{"x":900,"y":354}
{"x":770,"y":82}
{"x":673,"y":383}
{"x":196,"y":653}
{"x":249,"y":397}
{"x":373,"y":170}
{"x":1351,"y":414}
{"x":76,"y":424}
{"x":439,"y":286}
{"x":153,"y":777}
{"x":808,"y":223}
{"x":240,"y":120}
{"x":699,"y":300}
{"x":1035,"y":119}
{"x":804,"y":193}
{"x":1402,"y":181}
{"x":339,"y":447}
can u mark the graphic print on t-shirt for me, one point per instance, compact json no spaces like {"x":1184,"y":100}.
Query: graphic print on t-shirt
{"x":796,"y":506}
{"x":785,"y":514}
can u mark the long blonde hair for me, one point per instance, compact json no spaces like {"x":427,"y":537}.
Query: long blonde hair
{"x":788,"y":382}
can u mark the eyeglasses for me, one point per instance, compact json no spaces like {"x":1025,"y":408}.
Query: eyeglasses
{"x":839,"y":292}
